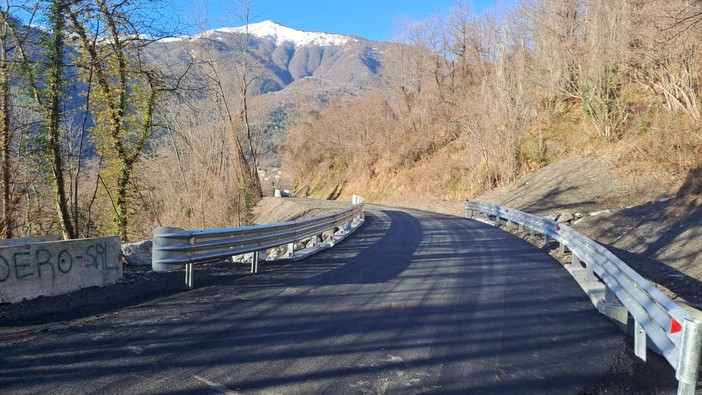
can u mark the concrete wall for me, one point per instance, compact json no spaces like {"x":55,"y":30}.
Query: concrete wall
{"x":58,"y":267}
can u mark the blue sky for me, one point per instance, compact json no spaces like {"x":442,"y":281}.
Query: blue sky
{"x":372,"y":19}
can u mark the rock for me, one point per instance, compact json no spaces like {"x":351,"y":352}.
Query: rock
{"x":248,"y":257}
{"x":137,"y":254}
{"x":276,"y":253}
{"x":305,"y":241}
{"x":565,"y":217}
{"x":242,"y":258}
{"x":595,"y":213}
{"x":310,"y":244}
{"x":326,"y":235}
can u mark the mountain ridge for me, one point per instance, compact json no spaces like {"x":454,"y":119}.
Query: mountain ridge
{"x":279,"y":33}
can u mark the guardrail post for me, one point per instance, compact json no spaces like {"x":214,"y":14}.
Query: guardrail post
{"x":497,"y":221}
{"x":254,"y":262}
{"x":561,"y":248}
{"x":689,"y":360}
{"x":574,"y":260}
{"x":610,"y":296}
{"x":189,"y":275}
{"x":639,"y":340}
{"x":590,"y":273}
{"x":291,"y":250}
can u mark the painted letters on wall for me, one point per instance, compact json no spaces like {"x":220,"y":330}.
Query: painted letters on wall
{"x":54,"y":268}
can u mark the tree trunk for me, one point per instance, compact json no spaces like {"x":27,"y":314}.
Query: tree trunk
{"x":122,"y":207}
{"x":254,"y":182}
{"x":58,"y":8}
{"x":6,"y":228}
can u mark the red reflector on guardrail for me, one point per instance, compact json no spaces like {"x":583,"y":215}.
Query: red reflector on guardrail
{"x":675,"y":326}
{"x":558,"y":228}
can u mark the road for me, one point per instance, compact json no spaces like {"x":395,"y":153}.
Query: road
{"x":411,"y":303}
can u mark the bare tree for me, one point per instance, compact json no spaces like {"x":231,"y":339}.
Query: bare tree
{"x":7,"y":226}
{"x":247,"y":76}
{"x":671,"y":55}
{"x":126,"y":92}
{"x":47,"y":90}
{"x":557,"y":35}
{"x":231,"y":100}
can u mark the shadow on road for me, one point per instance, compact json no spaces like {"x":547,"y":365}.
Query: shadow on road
{"x":365,"y":258}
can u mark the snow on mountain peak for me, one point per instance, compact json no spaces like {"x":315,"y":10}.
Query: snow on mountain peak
{"x":279,"y":33}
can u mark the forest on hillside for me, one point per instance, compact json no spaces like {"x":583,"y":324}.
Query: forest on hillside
{"x":473,"y":102}
{"x":103,"y":131}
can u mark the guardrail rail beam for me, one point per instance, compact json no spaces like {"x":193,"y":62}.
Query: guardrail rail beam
{"x":175,"y":247}
{"x":656,"y":317}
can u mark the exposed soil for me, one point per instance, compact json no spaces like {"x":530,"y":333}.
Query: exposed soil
{"x":270,"y":210}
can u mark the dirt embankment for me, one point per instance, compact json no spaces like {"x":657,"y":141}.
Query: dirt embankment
{"x":271,"y":210}
{"x":651,"y":223}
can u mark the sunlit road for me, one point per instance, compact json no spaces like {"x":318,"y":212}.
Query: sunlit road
{"x":411,"y":303}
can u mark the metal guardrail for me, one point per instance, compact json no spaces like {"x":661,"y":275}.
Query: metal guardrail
{"x":175,"y":247}
{"x":674,"y":332}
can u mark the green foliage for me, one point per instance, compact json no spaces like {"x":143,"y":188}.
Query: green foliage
{"x":643,"y":124}
{"x":536,"y":155}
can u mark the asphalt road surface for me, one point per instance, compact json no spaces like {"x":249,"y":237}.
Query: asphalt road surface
{"x":411,"y":303}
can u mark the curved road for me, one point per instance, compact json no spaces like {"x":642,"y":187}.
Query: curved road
{"x":411,"y":303}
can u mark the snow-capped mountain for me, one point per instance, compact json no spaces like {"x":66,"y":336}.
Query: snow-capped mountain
{"x":280,"y":34}
{"x":285,"y":57}
{"x":275,"y":32}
